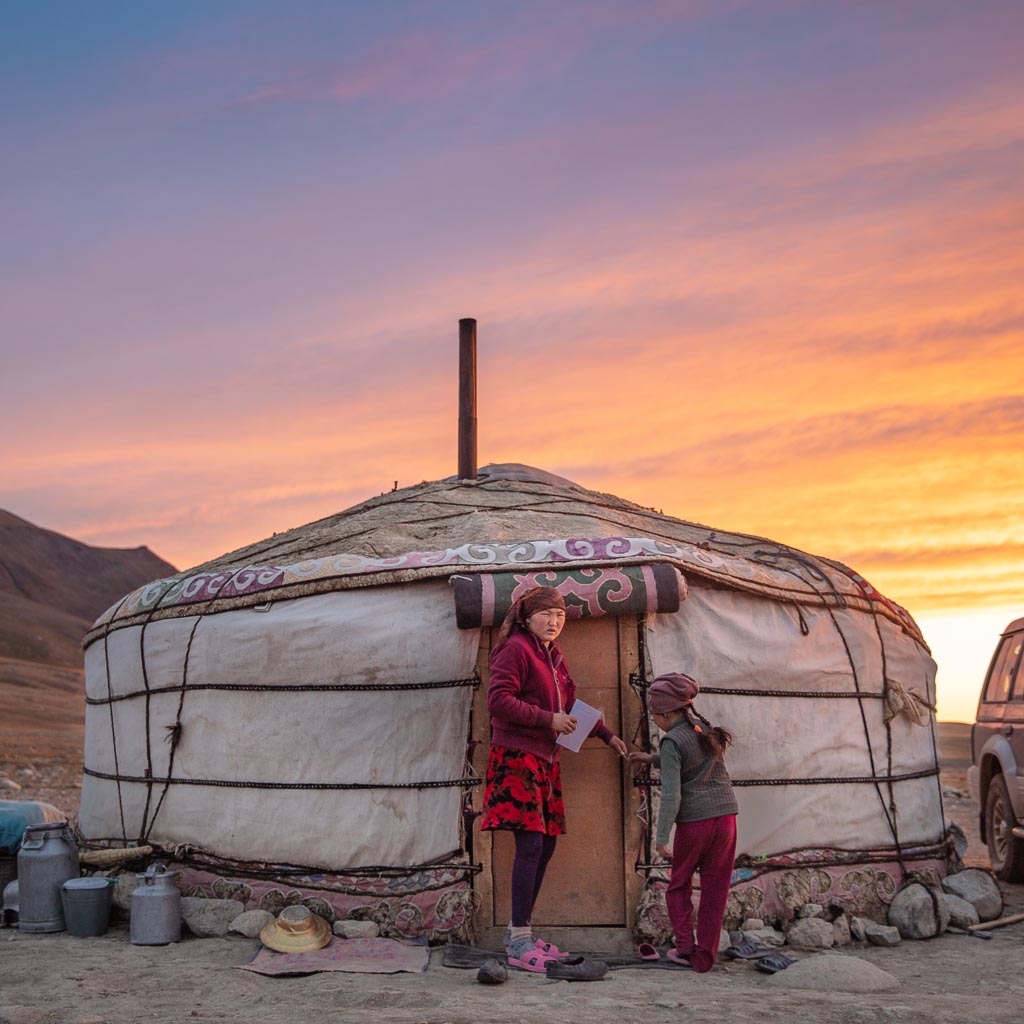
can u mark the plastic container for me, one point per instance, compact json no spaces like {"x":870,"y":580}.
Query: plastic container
{"x":156,"y":907}
{"x":86,"y":903}
{"x":47,"y":859}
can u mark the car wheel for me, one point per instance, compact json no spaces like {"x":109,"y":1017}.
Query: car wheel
{"x":1005,"y":850}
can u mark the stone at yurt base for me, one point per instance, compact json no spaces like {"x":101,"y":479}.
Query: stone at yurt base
{"x":207,"y":918}
{"x":250,"y":923}
{"x":961,"y":913}
{"x":918,"y":913}
{"x":278,"y":674}
{"x":811,"y":933}
{"x":979,"y":889}
{"x":356,"y":929}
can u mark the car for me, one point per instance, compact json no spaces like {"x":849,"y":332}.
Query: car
{"x":996,"y":776}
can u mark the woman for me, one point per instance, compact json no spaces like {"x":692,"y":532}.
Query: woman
{"x":529,"y":698}
{"x":697,"y":798}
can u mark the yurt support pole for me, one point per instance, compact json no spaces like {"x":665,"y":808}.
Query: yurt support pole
{"x":467,"y":399}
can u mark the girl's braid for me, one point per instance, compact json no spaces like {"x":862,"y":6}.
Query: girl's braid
{"x":713,"y":738}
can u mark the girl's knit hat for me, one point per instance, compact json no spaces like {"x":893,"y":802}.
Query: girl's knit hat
{"x":670,"y":692}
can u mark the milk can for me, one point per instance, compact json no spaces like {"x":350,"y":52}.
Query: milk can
{"x":47,"y":859}
{"x":156,"y":907}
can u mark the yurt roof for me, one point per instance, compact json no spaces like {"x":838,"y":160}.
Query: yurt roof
{"x":511,"y":517}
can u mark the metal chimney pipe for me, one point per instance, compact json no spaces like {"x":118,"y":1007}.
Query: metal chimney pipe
{"x":467,"y":399}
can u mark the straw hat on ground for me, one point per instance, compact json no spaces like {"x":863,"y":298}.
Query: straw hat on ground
{"x":296,"y":930}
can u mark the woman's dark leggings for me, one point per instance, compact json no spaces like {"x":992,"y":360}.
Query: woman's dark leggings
{"x":533,"y":851}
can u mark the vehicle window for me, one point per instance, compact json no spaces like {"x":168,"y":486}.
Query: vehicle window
{"x":1018,"y":683}
{"x":1005,"y":662}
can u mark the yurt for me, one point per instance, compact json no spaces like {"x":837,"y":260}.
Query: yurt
{"x":304,"y":719}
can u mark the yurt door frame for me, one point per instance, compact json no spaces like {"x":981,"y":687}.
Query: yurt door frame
{"x":591,"y":881}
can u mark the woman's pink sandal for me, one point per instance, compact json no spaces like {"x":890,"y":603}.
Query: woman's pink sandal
{"x":529,"y":958}
{"x":549,"y":947}
{"x":544,"y":947}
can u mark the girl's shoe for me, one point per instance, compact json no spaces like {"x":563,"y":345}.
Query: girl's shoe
{"x":679,"y":959}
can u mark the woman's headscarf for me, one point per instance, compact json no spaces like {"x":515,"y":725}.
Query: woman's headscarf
{"x":540,"y":599}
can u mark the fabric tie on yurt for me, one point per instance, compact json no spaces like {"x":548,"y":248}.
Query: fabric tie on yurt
{"x":485,"y":598}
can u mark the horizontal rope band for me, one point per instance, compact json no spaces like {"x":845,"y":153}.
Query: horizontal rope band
{"x":841,"y":858}
{"x":473,"y":681}
{"x":925,"y":774}
{"x":236,"y":784}
{"x":735,"y":691}
{"x":834,"y":781}
{"x":311,"y":877}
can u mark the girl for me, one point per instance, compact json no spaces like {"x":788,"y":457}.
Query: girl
{"x":529,"y":692}
{"x":696,"y":796}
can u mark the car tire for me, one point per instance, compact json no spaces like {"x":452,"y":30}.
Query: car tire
{"x":1005,"y":850}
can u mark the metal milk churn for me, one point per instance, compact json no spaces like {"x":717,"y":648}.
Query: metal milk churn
{"x":47,"y":859}
{"x":156,"y":907}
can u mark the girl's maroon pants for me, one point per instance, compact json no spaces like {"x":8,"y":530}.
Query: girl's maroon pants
{"x":708,"y":847}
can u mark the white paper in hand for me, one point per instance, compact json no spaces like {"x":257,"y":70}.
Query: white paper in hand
{"x":586,"y":718}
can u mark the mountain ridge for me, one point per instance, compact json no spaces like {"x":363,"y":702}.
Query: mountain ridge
{"x":52,"y":589}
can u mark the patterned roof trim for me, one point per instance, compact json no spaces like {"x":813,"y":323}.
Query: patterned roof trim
{"x":251,"y":585}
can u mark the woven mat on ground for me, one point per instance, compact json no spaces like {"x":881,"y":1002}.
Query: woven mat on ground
{"x":359,"y":956}
{"x":472,"y":957}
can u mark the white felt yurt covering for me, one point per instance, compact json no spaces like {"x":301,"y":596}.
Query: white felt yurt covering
{"x":305,"y":701}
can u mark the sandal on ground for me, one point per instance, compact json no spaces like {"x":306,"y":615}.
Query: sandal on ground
{"x":549,"y":947}
{"x":773,"y":963}
{"x":544,"y":947}
{"x":746,"y":950}
{"x":647,"y":952}
{"x":527,"y":957}
{"x":576,"y":968}
{"x":679,"y":959}
{"x":492,"y":972}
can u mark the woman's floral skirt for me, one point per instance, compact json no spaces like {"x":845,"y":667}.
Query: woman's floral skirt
{"x":523,"y":791}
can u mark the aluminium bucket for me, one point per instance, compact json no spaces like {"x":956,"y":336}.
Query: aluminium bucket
{"x":86,"y":903}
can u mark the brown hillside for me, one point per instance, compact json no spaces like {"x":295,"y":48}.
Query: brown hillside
{"x":67,"y":575}
{"x":42,"y":711}
{"x":31,"y":631}
{"x":52,"y":589}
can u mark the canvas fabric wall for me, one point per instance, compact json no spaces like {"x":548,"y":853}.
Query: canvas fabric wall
{"x":387,"y":635}
{"x":732,"y":640}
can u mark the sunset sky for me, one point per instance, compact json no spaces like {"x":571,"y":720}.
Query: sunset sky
{"x":757,"y":264}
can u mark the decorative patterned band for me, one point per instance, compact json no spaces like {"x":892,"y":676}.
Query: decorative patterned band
{"x":483,"y":599}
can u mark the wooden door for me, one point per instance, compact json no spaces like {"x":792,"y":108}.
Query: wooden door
{"x":585,"y":881}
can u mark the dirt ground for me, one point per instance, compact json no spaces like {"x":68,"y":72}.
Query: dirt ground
{"x":58,"y":979}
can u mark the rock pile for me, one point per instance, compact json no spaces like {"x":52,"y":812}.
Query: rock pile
{"x":918,"y":911}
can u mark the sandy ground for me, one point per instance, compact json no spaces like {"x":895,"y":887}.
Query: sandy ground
{"x":58,"y":979}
